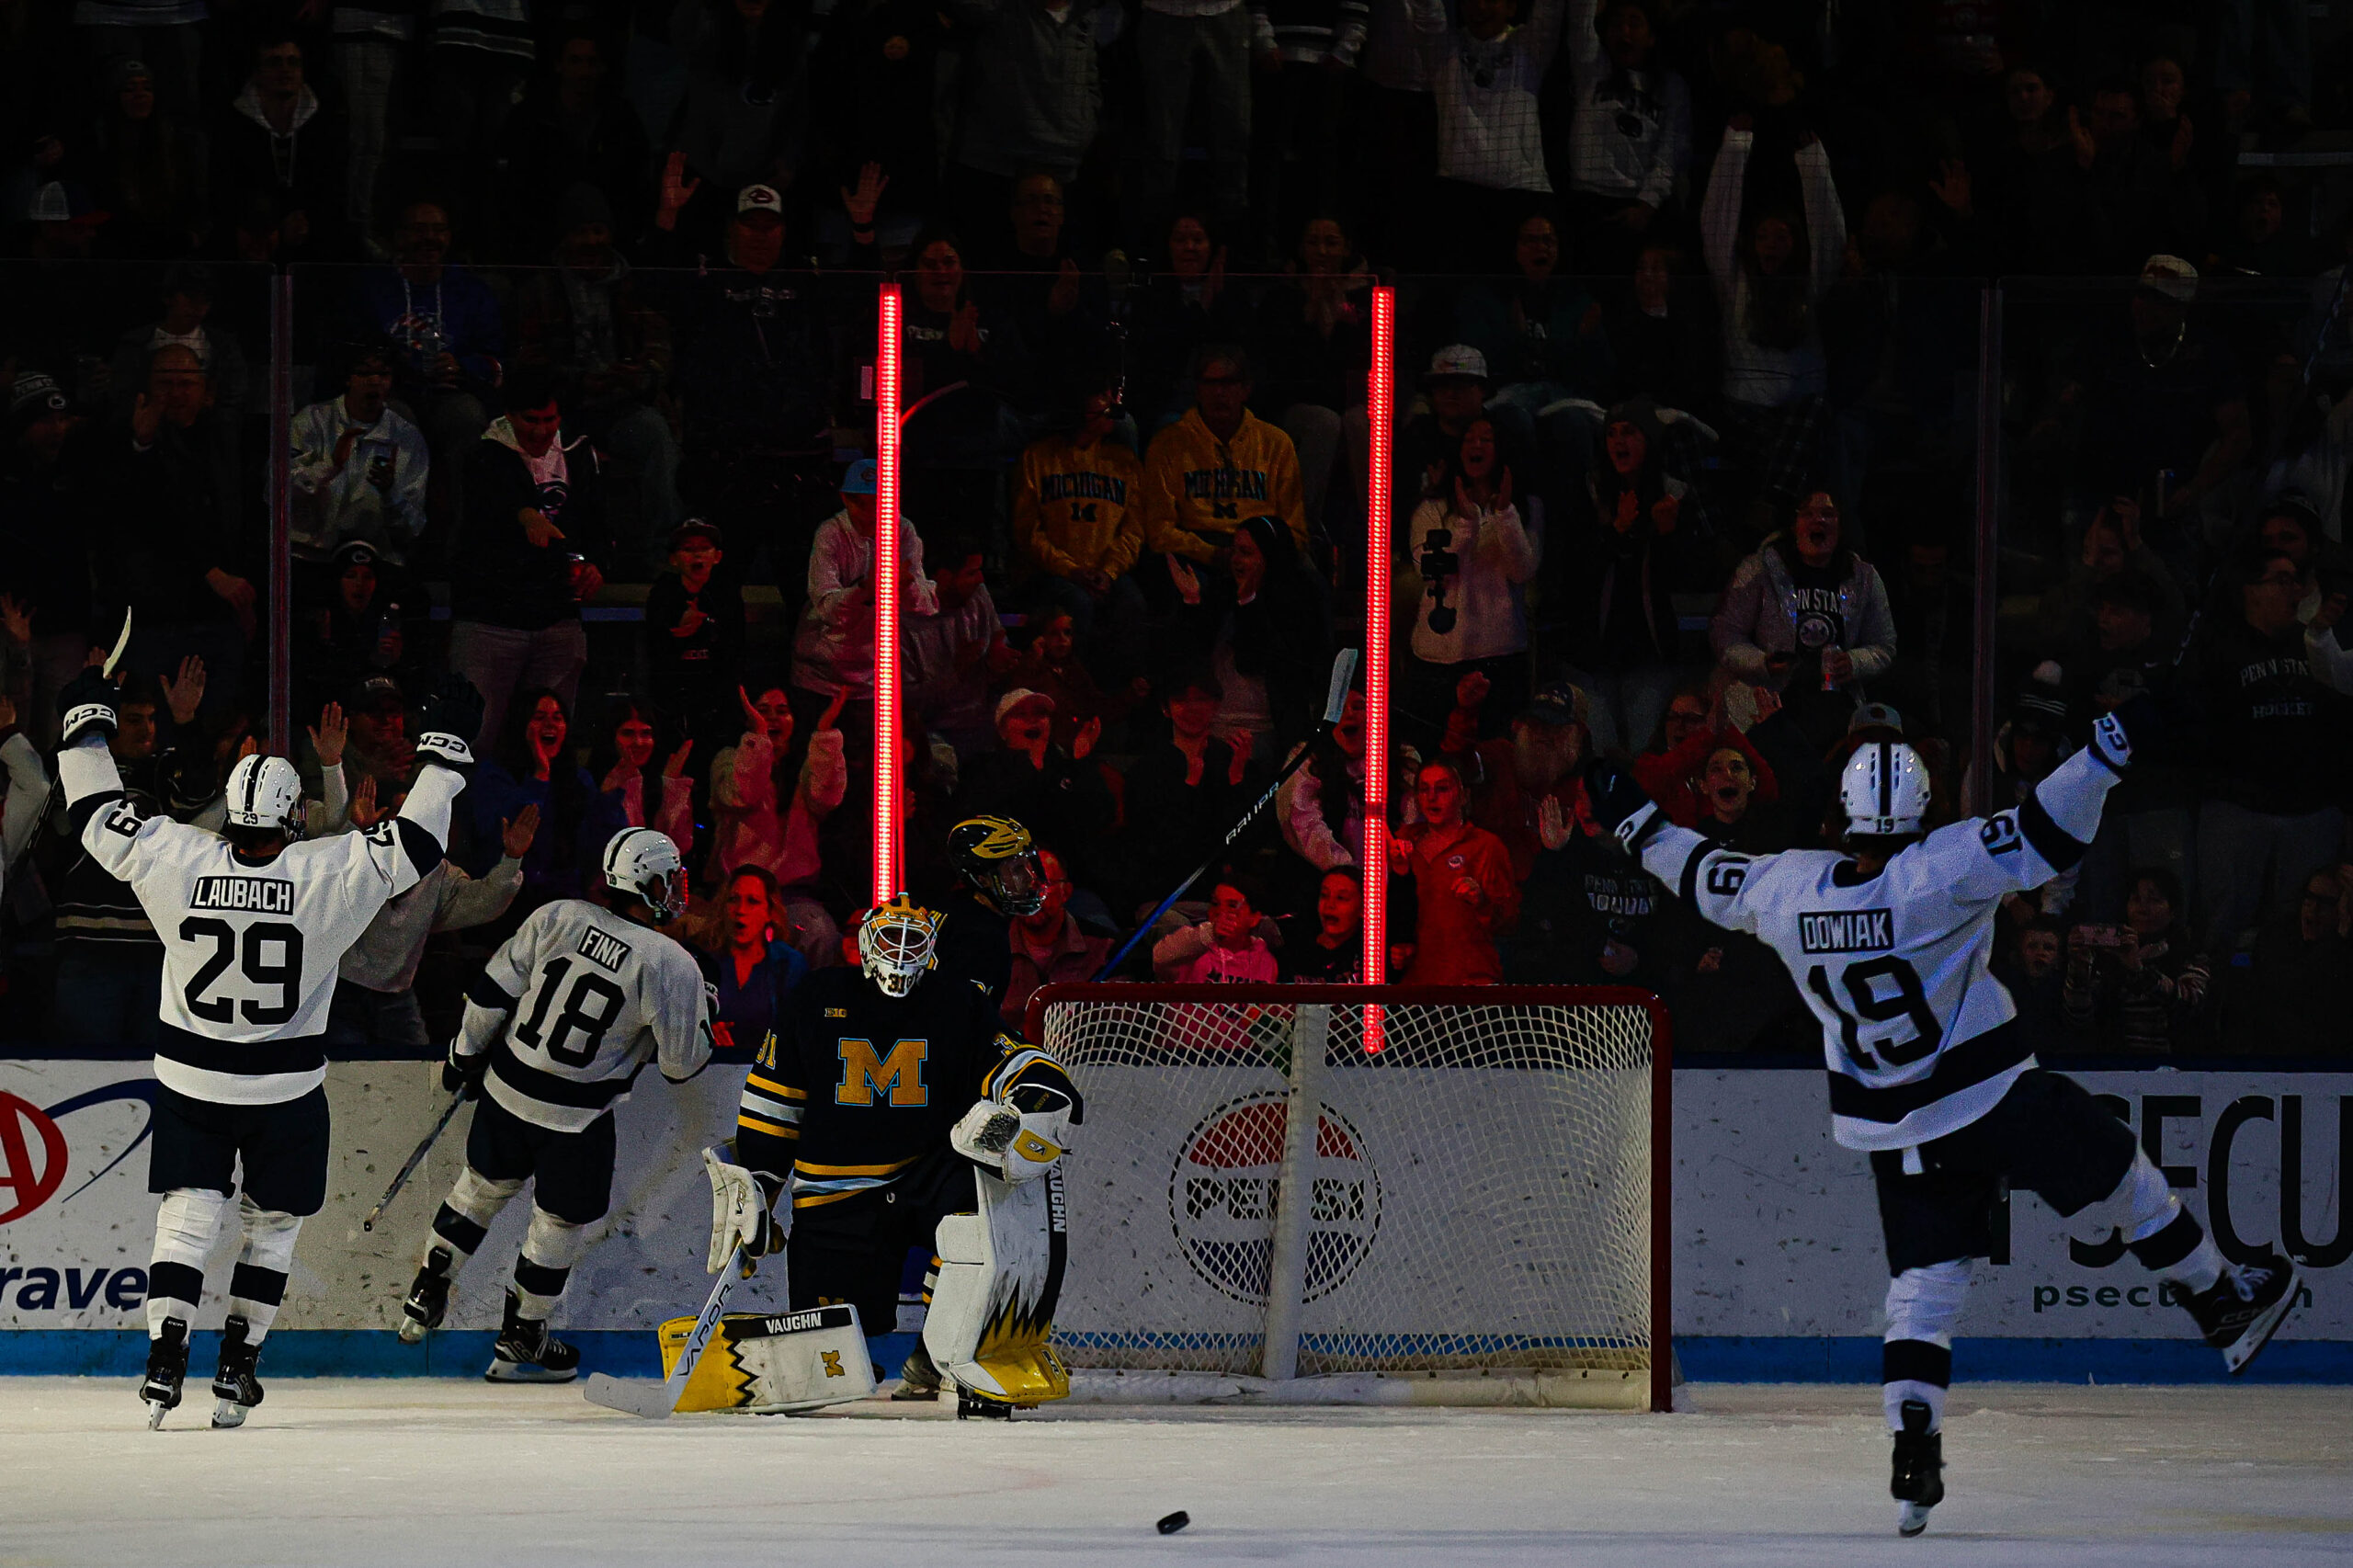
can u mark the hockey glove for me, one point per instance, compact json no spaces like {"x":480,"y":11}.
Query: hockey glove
{"x":1621,"y":806}
{"x":739,"y":1210}
{"x":86,"y":706}
{"x":2136,"y":729}
{"x":1009,"y":1143}
{"x":450,"y":720}
{"x":462,"y":1075}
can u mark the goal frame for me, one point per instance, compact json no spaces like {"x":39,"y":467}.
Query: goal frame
{"x":1662,"y":1085}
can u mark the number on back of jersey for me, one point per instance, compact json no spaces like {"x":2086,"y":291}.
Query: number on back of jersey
{"x":1884,"y":991}
{"x":252,"y":975}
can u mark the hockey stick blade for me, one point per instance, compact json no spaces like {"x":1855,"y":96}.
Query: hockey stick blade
{"x":659,"y":1401}
{"x":122,"y":640}
{"x":1344,"y":671}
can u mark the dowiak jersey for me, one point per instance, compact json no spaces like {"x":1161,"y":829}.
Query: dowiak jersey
{"x":250,"y":947}
{"x":573,"y":1006}
{"x":1894,"y":966}
{"x":856,"y":1087}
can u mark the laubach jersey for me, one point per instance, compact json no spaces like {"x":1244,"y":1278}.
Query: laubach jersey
{"x":574,"y":1006}
{"x":1894,"y":966}
{"x":856,"y":1086}
{"x":251,"y":949}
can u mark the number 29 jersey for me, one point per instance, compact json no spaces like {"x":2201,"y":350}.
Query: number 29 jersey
{"x":1894,"y":966}
{"x":587,"y":998}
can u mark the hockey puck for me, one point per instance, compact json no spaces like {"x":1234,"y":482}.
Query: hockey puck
{"x":1174,"y":1522}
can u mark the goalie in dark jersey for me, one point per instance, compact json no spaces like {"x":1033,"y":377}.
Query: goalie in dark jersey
{"x":896,"y":1114}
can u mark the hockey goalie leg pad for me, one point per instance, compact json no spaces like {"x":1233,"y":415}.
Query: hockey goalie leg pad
{"x":185,"y":1222}
{"x":259,"y":1283}
{"x":550,"y":1249}
{"x":992,"y":1305}
{"x":1923,"y":1305}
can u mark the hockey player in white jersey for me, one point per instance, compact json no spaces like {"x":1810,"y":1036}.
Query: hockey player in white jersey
{"x":557,"y":1027}
{"x":253,"y":924}
{"x":1929,"y":1072}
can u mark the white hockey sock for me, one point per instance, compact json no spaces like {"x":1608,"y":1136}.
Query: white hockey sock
{"x":465,"y":1217}
{"x":550,"y":1249}
{"x":185,"y":1222}
{"x":258,"y":1286}
{"x":2162,"y":1234}
{"x":1931,"y":1394}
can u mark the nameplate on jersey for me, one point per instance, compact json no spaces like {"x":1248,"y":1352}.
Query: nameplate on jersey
{"x":258,"y":895}
{"x":799,"y":1322}
{"x":603,"y":948}
{"x":1849,"y":931}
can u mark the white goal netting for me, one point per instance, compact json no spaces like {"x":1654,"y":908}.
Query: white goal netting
{"x":1478,"y":1188}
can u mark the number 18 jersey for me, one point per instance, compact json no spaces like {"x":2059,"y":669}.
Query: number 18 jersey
{"x":586,"y":997}
{"x":1894,"y":965}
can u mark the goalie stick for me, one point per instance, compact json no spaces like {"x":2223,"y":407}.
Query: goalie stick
{"x":415,"y":1158}
{"x":1344,"y":671}
{"x":656,"y":1402}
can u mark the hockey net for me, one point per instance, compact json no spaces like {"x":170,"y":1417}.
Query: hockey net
{"x":1481,"y":1194}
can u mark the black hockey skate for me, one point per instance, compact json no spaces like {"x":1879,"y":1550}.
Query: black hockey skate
{"x":1919,"y":1481}
{"x":919,"y":1377}
{"x":2242,"y":1312}
{"x":428,"y":1296}
{"x":528,"y":1353}
{"x":167,"y":1371}
{"x":235,"y":1389}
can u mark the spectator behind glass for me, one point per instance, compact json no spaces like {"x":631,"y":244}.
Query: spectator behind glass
{"x":358,"y":633}
{"x":1188,"y":305}
{"x":185,"y":320}
{"x":573,"y":127}
{"x":2136,"y":987}
{"x":955,"y":657}
{"x":1626,"y":554}
{"x":532,"y":765}
{"x":1272,"y":649}
{"x":1181,"y":796}
{"x":694,"y":636}
{"x":1050,"y":946}
{"x":278,"y":136}
{"x":2298,"y":997}
{"x":1223,"y":950}
{"x":1038,"y":282}
{"x":1217,"y":464}
{"x":110,"y":960}
{"x":738,"y":117}
{"x":2112,"y":546}
{"x":1486,"y":73}
{"x":753,"y":964}
{"x":1028,"y":778}
{"x":1077,"y":520}
{"x":1052,"y":667}
{"x":970,"y":353}
{"x":1630,"y":138}
{"x":832,"y":653}
{"x":2272,"y":745}
{"x":149,"y":171}
{"x":1663,"y":332}
{"x":2147,"y":820}
{"x":445,"y":323}
{"x":1465,"y":892}
{"x":1327,"y":947}
{"x":1807,"y":618}
{"x":1314,"y":334}
{"x":1736,"y":812}
{"x":177,"y":529}
{"x":1541,"y":335}
{"x":373,"y":40}
{"x":2032,"y":971}
{"x":1475,"y":556}
{"x":631,"y":793}
{"x":359,"y":468}
{"x":1775,"y":374}
{"x":49,"y":481}
{"x":1032,"y":90}
{"x":589,"y":319}
{"x":766,"y":811}
{"x":534,"y":546}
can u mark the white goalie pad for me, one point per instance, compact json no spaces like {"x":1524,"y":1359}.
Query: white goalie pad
{"x":764,"y":1364}
{"x":993,"y":1306}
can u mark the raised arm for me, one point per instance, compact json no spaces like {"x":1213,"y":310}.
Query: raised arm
{"x":1826,"y":222}
{"x":1720,"y":212}
{"x":683,"y":1023}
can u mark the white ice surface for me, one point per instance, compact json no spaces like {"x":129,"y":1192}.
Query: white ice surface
{"x":422,"y":1473}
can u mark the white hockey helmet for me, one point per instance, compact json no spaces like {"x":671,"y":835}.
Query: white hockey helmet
{"x":265,"y":792}
{"x":645,"y":865}
{"x":1885,"y":790}
{"x":896,"y":945}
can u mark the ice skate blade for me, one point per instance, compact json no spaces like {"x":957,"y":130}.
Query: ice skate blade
{"x":2249,"y":1345}
{"x":156,"y":1410}
{"x":1911,"y":1521}
{"x":411,"y":1332}
{"x":655,"y":1402}
{"x":227,"y":1413}
{"x":518,"y":1372}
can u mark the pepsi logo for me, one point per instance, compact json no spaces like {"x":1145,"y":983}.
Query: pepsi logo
{"x":1223,"y":1195}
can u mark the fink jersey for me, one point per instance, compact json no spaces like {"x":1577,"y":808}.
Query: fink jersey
{"x":573,"y":1006}
{"x":1894,"y":966}
{"x":251,"y":947}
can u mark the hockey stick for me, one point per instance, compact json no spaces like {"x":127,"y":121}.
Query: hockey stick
{"x":121,"y":641}
{"x":1344,"y":670}
{"x":416,"y":1158}
{"x":656,"y":1402}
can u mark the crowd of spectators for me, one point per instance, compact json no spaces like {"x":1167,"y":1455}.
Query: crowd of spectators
{"x":577,"y":328}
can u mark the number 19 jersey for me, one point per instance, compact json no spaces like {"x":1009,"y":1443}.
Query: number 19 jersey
{"x":586,"y":997}
{"x":1894,"y":965}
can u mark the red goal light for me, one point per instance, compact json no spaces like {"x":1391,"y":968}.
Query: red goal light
{"x":886,"y":596}
{"x":1381,"y":419}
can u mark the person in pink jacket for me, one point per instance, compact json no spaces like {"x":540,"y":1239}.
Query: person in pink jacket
{"x":765,"y":816}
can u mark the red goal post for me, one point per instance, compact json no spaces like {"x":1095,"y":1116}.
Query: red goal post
{"x":1476,"y":1214}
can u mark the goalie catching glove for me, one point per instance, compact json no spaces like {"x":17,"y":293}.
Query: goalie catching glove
{"x":1018,"y":1141}
{"x":740,"y":1213}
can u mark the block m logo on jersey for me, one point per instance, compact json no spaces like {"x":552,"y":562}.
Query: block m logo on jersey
{"x":899,"y":1075}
